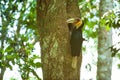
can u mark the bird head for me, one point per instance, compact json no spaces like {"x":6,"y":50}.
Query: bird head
{"x":77,"y":22}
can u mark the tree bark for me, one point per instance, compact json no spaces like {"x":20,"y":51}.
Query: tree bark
{"x":104,"y":65}
{"x":54,"y":39}
{"x":2,"y":73}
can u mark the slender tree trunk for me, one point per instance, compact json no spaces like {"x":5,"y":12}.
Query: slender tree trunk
{"x":2,"y":73}
{"x":104,"y":64}
{"x":3,"y":36}
{"x":54,"y":39}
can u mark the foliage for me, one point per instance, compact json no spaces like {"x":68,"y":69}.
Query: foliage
{"x":89,"y":10}
{"x":18,"y":36}
{"x":90,"y":13}
{"x":114,"y":50}
{"x":111,"y":19}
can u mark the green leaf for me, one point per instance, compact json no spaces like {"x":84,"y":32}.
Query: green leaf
{"x":9,"y":57}
{"x":107,"y":27}
{"x":38,"y":64}
{"x":9,"y":66}
{"x":9,"y":49}
{"x":118,"y":65}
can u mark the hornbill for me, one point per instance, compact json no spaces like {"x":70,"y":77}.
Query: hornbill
{"x":75,"y":26}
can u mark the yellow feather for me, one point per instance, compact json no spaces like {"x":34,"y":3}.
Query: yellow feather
{"x":78,"y":24}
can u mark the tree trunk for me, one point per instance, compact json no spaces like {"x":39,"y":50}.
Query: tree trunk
{"x":2,"y":73}
{"x":2,"y":41}
{"x":54,"y":39}
{"x":104,"y":64}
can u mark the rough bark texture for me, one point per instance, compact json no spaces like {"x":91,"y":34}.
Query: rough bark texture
{"x":104,"y":64}
{"x":54,"y":39}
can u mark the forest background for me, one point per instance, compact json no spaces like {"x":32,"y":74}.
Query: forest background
{"x":20,"y":51}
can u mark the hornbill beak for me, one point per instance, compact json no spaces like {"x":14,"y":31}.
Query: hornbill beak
{"x":77,"y":22}
{"x":71,"y":20}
